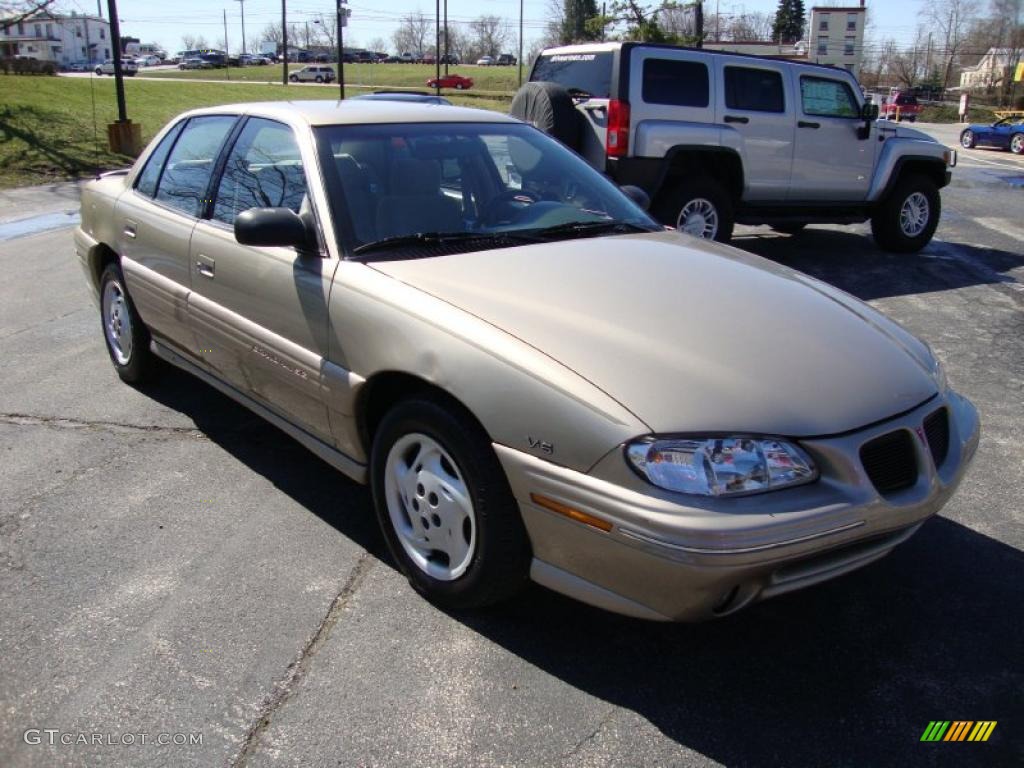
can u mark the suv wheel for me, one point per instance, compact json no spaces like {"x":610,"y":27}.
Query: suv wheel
{"x":906,"y":220}
{"x":967,"y":139}
{"x":293,"y":78}
{"x":1017,"y":143}
{"x":319,"y":78}
{"x":701,"y":208}
{"x":445,"y":507}
{"x":126,"y":337}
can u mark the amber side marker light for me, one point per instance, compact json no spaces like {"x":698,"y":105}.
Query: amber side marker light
{"x":572,"y":514}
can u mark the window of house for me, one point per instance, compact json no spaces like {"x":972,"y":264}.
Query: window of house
{"x":39,"y":30}
{"x":757,"y":90}
{"x":679,"y":83}
{"x":49,"y":30}
{"x":848,"y":48}
{"x":823,"y":26}
{"x":78,"y":31}
{"x":823,"y":46}
{"x":186,"y":174}
{"x":103,"y":34}
{"x":263,"y":170}
{"x":851,"y":22}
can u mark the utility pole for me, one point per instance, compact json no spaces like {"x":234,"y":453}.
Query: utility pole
{"x":604,"y":21}
{"x":284,"y":42}
{"x":437,"y":45}
{"x":242,"y":3}
{"x":446,"y":37}
{"x":342,"y":21}
{"x":115,"y":44}
{"x":521,"y":43}
{"x":227,"y":48}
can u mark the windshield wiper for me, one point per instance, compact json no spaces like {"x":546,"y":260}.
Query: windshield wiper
{"x":590,"y":228}
{"x":441,"y":238}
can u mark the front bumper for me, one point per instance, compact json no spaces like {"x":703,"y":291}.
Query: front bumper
{"x":674,"y":557}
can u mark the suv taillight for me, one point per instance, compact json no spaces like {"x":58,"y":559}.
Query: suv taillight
{"x":618,"y":128}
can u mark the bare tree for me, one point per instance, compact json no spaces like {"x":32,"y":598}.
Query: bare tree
{"x":951,"y":20}
{"x":909,"y":65}
{"x":413,"y":33}
{"x":14,"y":11}
{"x":489,"y":35}
{"x":193,"y":42}
{"x":751,"y":26}
{"x":378,"y":44}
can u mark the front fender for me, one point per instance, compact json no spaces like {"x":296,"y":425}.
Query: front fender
{"x":896,"y":153}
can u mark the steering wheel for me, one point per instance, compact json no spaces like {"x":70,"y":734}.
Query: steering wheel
{"x":501,"y":207}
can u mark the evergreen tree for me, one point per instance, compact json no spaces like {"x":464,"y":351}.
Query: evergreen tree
{"x":789,"y":21}
{"x":577,"y":13}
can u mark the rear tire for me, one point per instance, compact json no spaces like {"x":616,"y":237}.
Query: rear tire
{"x":445,"y":507}
{"x":968,"y":139}
{"x":124,"y":333}
{"x":701,"y":208}
{"x":319,"y":79}
{"x":906,"y":220}
{"x":1017,"y":143}
{"x":293,"y":79}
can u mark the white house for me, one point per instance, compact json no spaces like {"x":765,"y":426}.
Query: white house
{"x":836,"y":36}
{"x":991,"y":71}
{"x":73,"y":39}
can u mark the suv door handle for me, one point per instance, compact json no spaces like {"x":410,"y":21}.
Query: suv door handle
{"x":205,"y":268}
{"x":736,"y":119}
{"x":129,"y":229}
{"x":806,"y":124}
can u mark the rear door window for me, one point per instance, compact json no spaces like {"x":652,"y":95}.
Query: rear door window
{"x":186,"y":175}
{"x":754,"y":90}
{"x":590,"y":73}
{"x":674,"y":82}
{"x":146,"y":185}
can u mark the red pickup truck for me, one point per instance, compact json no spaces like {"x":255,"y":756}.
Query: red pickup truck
{"x":902,"y":105}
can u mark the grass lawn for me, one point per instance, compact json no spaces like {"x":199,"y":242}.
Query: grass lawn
{"x":501,"y":80}
{"x":47,"y":130}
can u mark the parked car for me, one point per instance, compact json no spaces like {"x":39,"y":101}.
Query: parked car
{"x":537,"y":380}
{"x":451,"y":59}
{"x":1007,"y":133}
{"x":458,"y":82}
{"x":314,"y":73}
{"x":901,"y":106}
{"x":252,"y":60}
{"x":195,"y":62}
{"x":506,"y":60}
{"x":485,"y":61}
{"x":128,"y":68}
{"x":717,"y":138}
{"x":149,"y":60}
{"x":78,"y":67}
{"x":420,"y":97}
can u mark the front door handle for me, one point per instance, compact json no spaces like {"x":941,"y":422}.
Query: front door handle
{"x":129,"y":230}
{"x":736,"y":119}
{"x":205,"y":268}
{"x":806,"y":124}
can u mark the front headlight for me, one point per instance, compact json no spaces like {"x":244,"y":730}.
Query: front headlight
{"x":720,"y":466}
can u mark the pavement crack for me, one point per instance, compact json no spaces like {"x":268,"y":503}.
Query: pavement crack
{"x":57,"y":422}
{"x":288,"y":685}
{"x":579,"y":745}
{"x":42,"y":323}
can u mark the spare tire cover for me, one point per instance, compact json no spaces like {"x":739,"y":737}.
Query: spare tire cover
{"x":549,"y":107}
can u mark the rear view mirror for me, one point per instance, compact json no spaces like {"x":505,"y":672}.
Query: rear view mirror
{"x":869,"y":111}
{"x":274,"y":227}
{"x":637,"y":195}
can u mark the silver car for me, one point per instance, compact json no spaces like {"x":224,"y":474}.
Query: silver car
{"x":537,"y":380}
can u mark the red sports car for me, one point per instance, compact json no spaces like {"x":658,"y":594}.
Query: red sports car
{"x":451,"y":81}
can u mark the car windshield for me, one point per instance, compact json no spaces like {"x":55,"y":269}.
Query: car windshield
{"x":469,"y":186}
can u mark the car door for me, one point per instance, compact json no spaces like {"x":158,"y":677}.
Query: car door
{"x":753,"y":103}
{"x":260,"y":314}
{"x":155,"y":219}
{"x":833,"y":159}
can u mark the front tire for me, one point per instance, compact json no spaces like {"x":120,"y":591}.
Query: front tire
{"x":293,"y":79}
{"x":445,"y":506}
{"x":126,"y":337}
{"x":968,"y":139}
{"x":906,"y":220}
{"x":1017,"y":143}
{"x":701,"y":208}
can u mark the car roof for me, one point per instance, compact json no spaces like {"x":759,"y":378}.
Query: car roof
{"x":357,"y":112}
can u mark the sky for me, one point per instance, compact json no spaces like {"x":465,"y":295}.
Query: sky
{"x":164,"y":23}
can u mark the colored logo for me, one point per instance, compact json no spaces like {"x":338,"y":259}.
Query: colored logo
{"x":958,"y":730}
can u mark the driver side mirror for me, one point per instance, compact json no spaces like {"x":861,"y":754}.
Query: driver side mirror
{"x":637,"y":195}
{"x":869,"y":111}
{"x":274,"y":227}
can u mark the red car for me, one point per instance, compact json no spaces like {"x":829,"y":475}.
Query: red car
{"x":903,"y":104}
{"x":451,"y":81}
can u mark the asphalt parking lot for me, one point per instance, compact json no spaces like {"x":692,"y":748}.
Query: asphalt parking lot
{"x":173,"y":565}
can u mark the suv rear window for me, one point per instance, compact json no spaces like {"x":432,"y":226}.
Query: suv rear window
{"x":755,"y":90}
{"x":679,"y":83}
{"x":587,"y":72}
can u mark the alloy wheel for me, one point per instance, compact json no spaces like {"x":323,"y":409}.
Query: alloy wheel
{"x":914,"y":214}
{"x":699,"y":218}
{"x":117,"y":322}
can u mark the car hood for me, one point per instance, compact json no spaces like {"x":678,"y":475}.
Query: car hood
{"x":691,"y":336}
{"x":903,"y":132}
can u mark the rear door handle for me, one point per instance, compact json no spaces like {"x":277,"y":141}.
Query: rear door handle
{"x":129,"y":229}
{"x":205,"y":268}
{"x":806,"y":124}
{"x":736,"y":119}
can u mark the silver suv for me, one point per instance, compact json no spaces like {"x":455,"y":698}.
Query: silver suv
{"x":314,"y":73}
{"x":717,"y":138}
